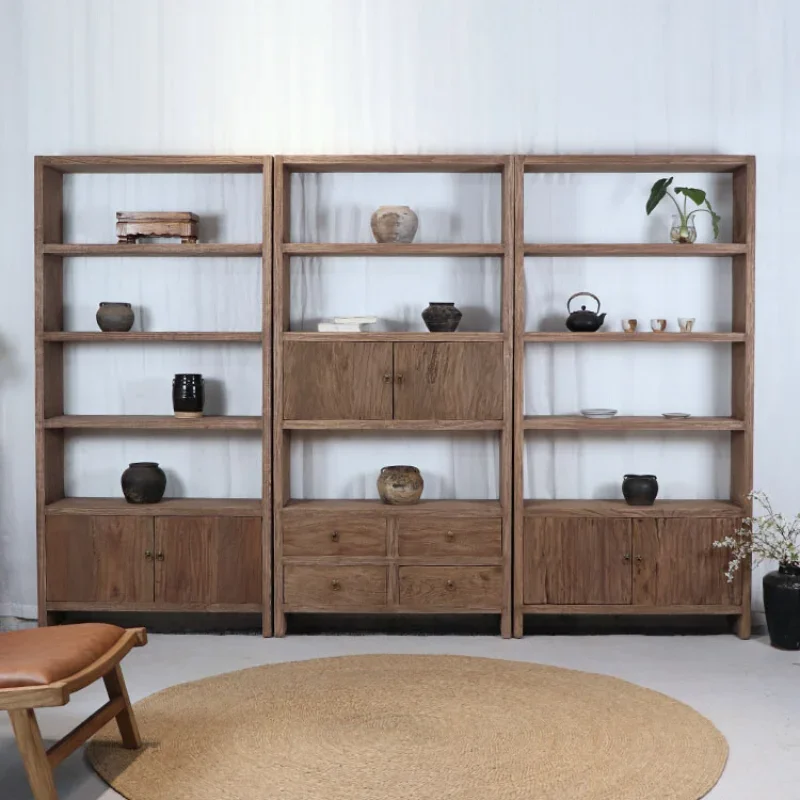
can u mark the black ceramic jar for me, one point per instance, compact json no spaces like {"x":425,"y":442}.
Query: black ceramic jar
{"x":114,"y":317}
{"x":782,"y":606}
{"x":143,"y":482}
{"x":188,"y":395}
{"x":441,"y":317}
{"x":640,"y":490}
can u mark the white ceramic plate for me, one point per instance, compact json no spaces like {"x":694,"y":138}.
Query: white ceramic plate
{"x":599,"y":413}
{"x":676,"y":415}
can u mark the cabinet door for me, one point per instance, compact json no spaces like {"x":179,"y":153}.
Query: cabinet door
{"x":448,"y":380}
{"x":676,"y":564}
{"x":99,"y":559}
{"x":337,"y":380}
{"x":577,"y":561}
{"x":207,"y":561}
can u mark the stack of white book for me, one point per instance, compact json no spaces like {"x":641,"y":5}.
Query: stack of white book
{"x":346,"y":324}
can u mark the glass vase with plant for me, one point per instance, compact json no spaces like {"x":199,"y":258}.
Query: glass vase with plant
{"x":683,"y":230}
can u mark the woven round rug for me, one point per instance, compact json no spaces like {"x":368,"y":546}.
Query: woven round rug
{"x":395,"y":727}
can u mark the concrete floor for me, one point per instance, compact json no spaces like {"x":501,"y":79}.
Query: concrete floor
{"x":749,"y":690}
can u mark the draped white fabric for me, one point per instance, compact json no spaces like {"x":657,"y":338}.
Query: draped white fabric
{"x":377,"y":76}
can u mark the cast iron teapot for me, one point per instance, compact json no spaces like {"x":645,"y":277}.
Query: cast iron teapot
{"x":584,"y":321}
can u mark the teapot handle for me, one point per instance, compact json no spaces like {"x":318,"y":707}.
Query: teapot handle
{"x":585,"y":294}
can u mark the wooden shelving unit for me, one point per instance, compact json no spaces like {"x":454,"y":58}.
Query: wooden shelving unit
{"x":103,"y":554}
{"x":441,"y":556}
{"x":603,"y":556}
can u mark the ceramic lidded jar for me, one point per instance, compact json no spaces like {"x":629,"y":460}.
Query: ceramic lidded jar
{"x":400,"y":485}
{"x":441,"y":317}
{"x":640,"y":490}
{"x":188,"y":395}
{"x":143,"y":482}
{"x":114,"y":317}
{"x":394,"y":224}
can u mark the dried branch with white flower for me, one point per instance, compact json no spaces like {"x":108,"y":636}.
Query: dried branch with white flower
{"x":768,"y":537}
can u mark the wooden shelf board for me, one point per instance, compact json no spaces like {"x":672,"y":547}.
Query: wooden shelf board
{"x":636,"y":163}
{"x":631,"y":609}
{"x":154,"y":163}
{"x":634,"y":250}
{"x":177,"y":506}
{"x":227,"y":608}
{"x":216,"y":249}
{"x":399,"y":336}
{"x":395,"y":163}
{"x":387,"y":609}
{"x":570,"y":422}
{"x":392,"y":425}
{"x":99,"y":337}
{"x":374,"y":249}
{"x":646,"y":337}
{"x":619,"y":508}
{"x":473,"y":508}
{"x":402,"y":561}
{"x":153,"y":422}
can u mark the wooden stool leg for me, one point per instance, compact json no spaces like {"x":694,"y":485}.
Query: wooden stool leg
{"x":128,"y":729}
{"x":34,"y":755}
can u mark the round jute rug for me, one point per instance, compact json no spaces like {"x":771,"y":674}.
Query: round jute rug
{"x":394,"y":727}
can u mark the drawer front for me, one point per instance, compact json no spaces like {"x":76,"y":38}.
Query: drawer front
{"x":451,"y":536}
{"x":451,"y":587}
{"x":322,"y":586}
{"x":334,"y":535}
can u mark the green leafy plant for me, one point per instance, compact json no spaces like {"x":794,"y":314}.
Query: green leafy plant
{"x":660,"y":190}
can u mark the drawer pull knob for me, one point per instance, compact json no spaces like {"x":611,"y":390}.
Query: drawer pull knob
{"x":399,"y":378}
{"x":335,"y":585}
{"x":159,"y":556}
{"x":387,"y":378}
{"x":638,"y":558}
{"x":449,"y":536}
{"x":335,"y":536}
{"x":148,"y":555}
{"x":626,"y":557}
{"x":450,"y":586}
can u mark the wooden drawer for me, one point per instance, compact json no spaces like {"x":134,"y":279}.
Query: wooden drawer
{"x":323,"y":586}
{"x":450,"y":536}
{"x":334,"y":535}
{"x":451,"y":587}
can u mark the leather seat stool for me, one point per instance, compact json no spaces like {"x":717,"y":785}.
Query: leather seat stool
{"x":42,"y":667}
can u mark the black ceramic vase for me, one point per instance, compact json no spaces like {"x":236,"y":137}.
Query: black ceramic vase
{"x":114,"y":317}
{"x":188,"y":395}
{"x":143,"y":482}
{"x":782,"y":606}
{"x":639,"y":490}
{"x":441,"y":317}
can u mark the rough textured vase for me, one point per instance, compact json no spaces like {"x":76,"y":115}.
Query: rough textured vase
{"x":782,"y":606}
{"x":188,"y":395}
{"x":114,"y":317}
{"x":400,"y":485}
{"x":640,"y":490}
{"x":143,"y":482}
{"x":394,"y":224}
{"x":441,"y":317}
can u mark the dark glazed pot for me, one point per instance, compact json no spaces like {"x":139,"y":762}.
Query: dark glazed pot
{"x":143,"y":482}
{"x":782,"y":606}
{"x":188,"y":395}
{"x":114,"y":317}
{"x":441,"y":317}
{"x":640,"y":490}
{"x":400,"y":485}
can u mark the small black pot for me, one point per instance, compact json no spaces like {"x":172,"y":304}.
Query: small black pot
{"x":441,"y":317}
{"x":782,"y":606}
{"x":188,"y":395}
{"x":114,"y":317}
{"x":640,"y":490}
{"x":143,"y":482}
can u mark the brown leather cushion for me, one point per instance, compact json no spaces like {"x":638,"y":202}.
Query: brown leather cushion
{"x":40,"y":656}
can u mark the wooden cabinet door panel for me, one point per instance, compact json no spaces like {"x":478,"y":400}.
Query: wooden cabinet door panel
{"x":459,"y":380}
{"x":577,"y":561}
{"x":337,"y":380}
{"x":207,"y":561}
{"x":676,"y":564}
{"x":99,"y":559}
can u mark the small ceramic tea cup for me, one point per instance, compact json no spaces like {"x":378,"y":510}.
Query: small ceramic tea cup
{"x":629,"y":325}
{"x":686,"y":324}
{"x":658,"y":325}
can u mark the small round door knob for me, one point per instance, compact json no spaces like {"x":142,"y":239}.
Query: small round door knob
{"x":335,"y":536}
{"x":148,"y":554}
{"x":450,"y":586}
{"x":335,"y":585}
{"x":159,"y":556}
{"x":449,"y":536}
